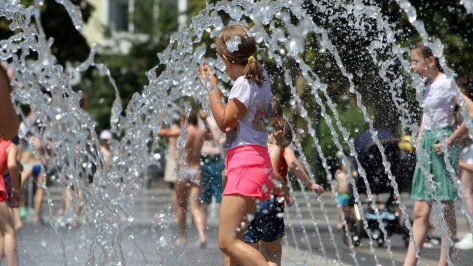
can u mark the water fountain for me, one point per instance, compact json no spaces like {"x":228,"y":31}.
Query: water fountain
{"x":281,"y":29}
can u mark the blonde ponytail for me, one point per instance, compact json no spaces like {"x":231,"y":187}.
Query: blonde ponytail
{"x":254,"y":71}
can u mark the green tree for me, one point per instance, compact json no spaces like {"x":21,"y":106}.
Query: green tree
{"x":154,"y":22}
{"x":69,"y":44}
{"x":446,"y":20}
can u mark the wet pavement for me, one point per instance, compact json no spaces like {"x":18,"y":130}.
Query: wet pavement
{"x":306,"y":242}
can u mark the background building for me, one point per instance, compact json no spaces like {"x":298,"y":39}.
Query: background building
{"x":112,"y":21}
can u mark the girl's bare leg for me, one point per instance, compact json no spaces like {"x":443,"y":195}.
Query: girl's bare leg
{"x":227,"y":261}
{"x":233,"y":223}
{"x":451,"y":221}
{"x":466,"y":179}
{"x":181,"y":192}
{"x":69,"y":197}
{"x":16,"y":211}
{"x":38,"y":200}
{"x":2,"y":241}
{"x":68,"y":201}
{"x":198,"y":213}
{"x":17,"y":219}
{"x":419,"y":229}
{"x":174,"y":203}
{"x":205,"y":210}
{"x":9,"y":238}
{"x":273,"y":252}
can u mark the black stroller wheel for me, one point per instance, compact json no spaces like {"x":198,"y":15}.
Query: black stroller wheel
{"x":380,"y":241}
{"x":355,"y":233}
{"x":356,"y":240}
{"x":378,"y":236}
{"x":358,"y":231}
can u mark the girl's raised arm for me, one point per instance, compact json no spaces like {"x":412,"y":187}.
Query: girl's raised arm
{"x":227,"y":117}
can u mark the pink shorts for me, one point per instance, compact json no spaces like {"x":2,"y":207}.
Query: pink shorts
{"x":249,"y":172}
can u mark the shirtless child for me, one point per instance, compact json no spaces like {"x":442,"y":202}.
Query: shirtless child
{"x":344,"y":194}
{"x":188,"y":185}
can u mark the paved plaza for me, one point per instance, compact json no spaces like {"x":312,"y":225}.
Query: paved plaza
{"x":40,"y":245}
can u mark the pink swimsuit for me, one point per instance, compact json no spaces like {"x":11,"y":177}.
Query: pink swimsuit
{"x":3,"y":167}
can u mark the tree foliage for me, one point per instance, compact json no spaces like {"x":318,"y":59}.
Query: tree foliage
{"x":69,"y":44}
{"x":154,"y":22}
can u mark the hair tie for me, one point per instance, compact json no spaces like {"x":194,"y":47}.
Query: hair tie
{"x":251,"y":58}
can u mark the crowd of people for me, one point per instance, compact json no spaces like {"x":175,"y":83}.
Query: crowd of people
{"x":241,"y":154}
{"x":250,"y":152}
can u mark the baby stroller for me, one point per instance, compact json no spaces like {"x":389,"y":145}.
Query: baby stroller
{"x":402,"y":167}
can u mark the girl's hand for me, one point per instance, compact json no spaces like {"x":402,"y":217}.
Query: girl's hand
{"x":319,"y":190}
{"x":14,"y":201}
{"x":437,"y":147}
{"x":206,"y":76}
{"x":202,"y":114}
{"x":289,"y":200}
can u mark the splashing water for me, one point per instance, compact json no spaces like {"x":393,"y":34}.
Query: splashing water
{"x":110,"y":198}
{"x":233,"y":43}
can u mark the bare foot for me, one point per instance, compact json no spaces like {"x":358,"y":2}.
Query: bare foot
{"x":38,"y":221}
{"x":181,"y":241}
{"x":74,"y":223}
{"x":60,"y":212}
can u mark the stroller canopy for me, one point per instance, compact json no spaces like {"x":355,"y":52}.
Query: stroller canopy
{"x":371,"y":160}
{"x":364,"y":140}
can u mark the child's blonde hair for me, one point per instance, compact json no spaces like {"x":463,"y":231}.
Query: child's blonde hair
{"x":245,"y":55}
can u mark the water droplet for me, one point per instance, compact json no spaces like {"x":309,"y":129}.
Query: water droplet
{"x":233,"y":43}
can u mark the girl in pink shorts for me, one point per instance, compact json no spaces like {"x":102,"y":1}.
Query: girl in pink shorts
{"x":244,"y":121}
